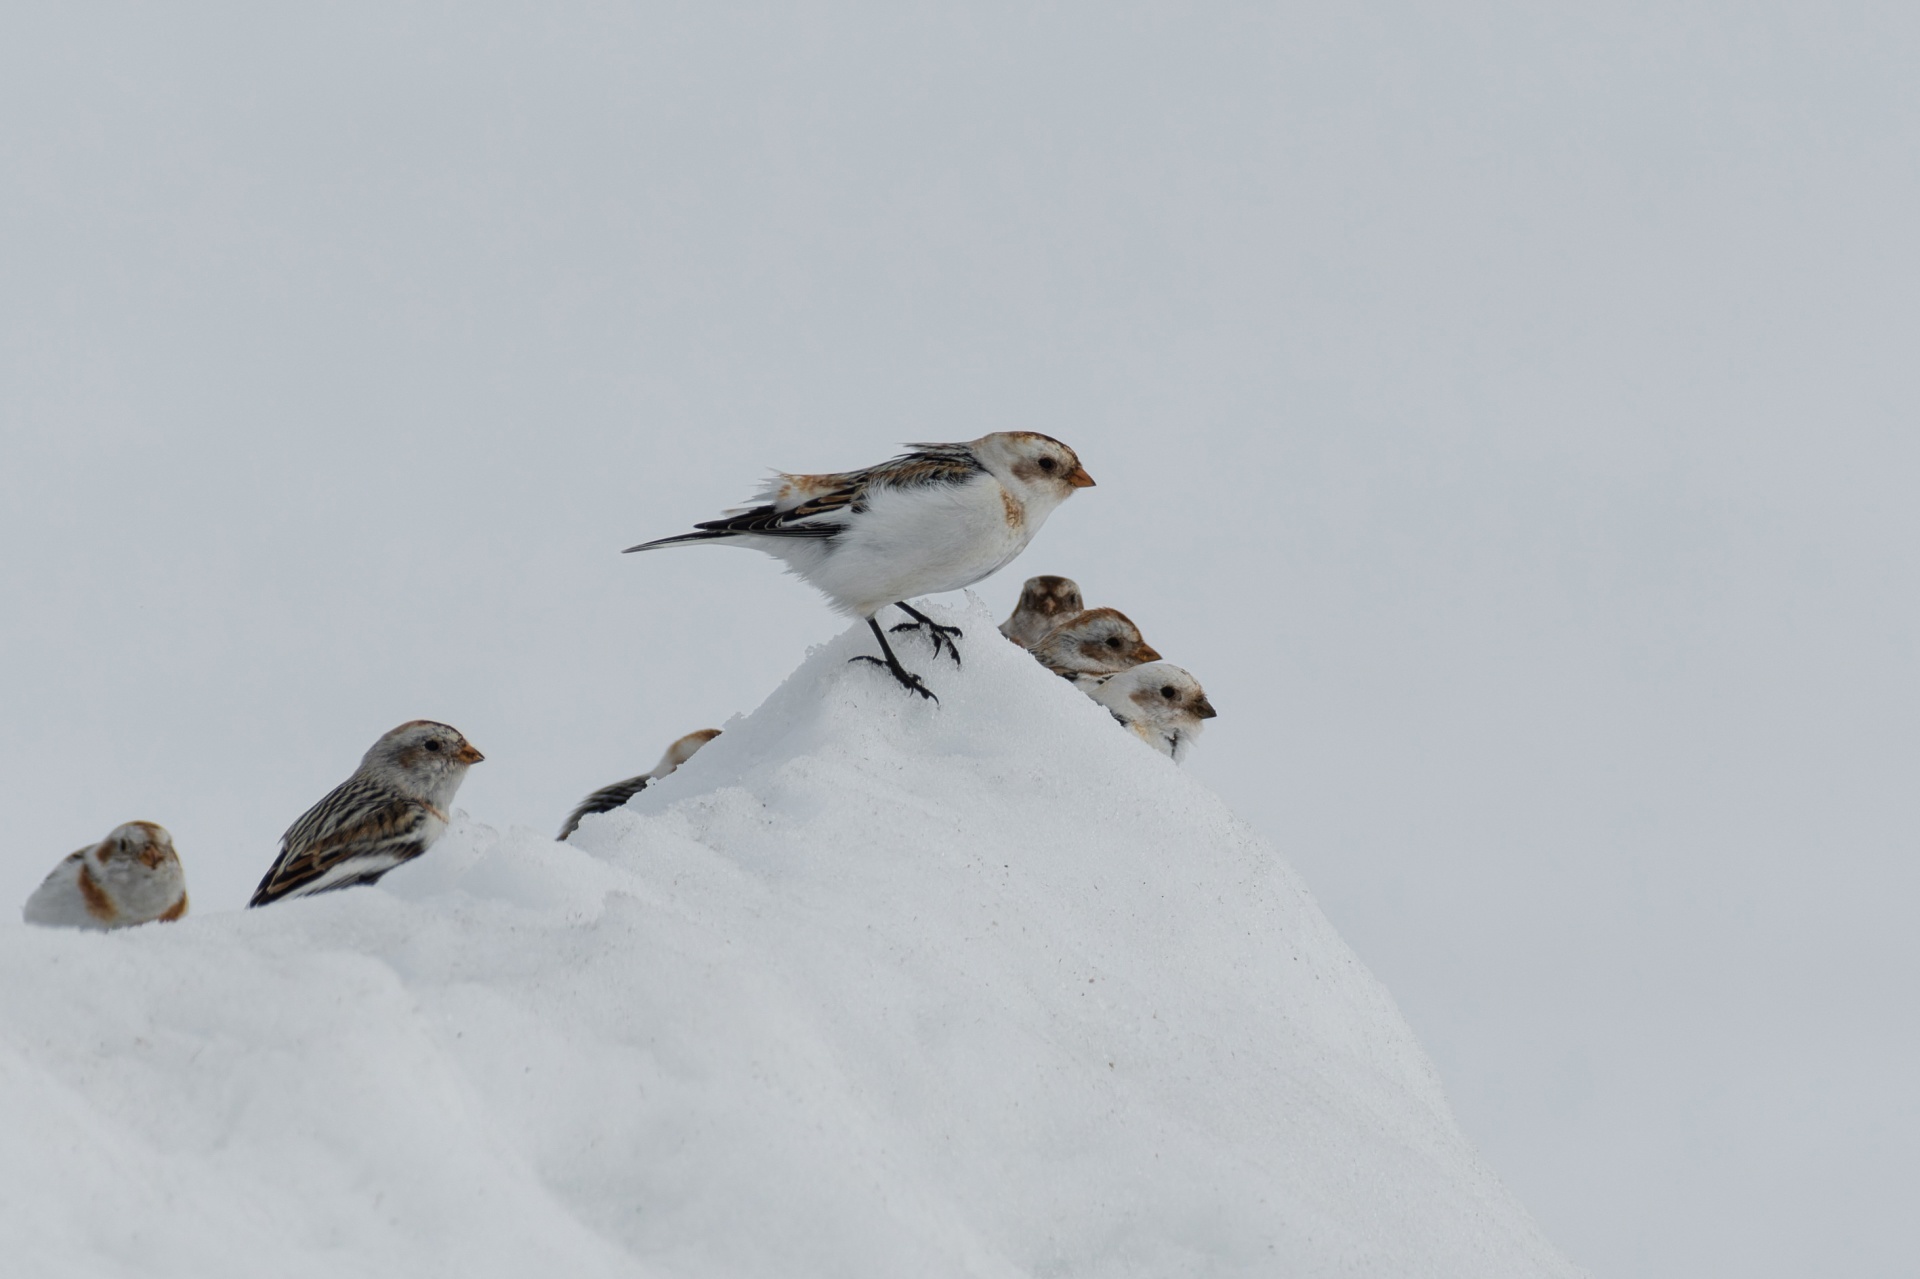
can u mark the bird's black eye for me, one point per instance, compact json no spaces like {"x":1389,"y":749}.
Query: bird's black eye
{"x":1113,"y":641}
{"x":1167,"y":692}
{"x":1047,"y":464}
{"x":433,"y":746}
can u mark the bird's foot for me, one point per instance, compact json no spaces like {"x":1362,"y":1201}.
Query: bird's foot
{"x":943,"y":636}
{"x":906,"y":677}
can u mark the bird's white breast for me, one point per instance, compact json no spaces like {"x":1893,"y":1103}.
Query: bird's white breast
{"x":142,"y":894}
{"x":921,"y":541}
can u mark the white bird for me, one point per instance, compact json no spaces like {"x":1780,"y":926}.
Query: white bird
{"x":1091,"y":645}
{"x":1045,"y":602}
{"x":1160,"y":703}
{"x":608,"y":798}
{"x":936,"y":519}
{"x":389,"y":812}
{"x":132,"y":876}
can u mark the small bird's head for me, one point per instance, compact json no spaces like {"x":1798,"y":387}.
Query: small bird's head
{"x":1050,"y":597}
{"x":1098,"y":641}
{"x":683,"y":750}
{"x":146,"y":843}
{"x":1045,"y":602}
{"x":1161,"y":702}
{"x":1038,"y":469}
{"x":421,"y":759}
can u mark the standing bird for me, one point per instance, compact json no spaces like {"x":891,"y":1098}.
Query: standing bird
{"x":1092,"y":645}
{"x":132,"y":876}
{"x":1160,"y":703}
{"x":1045,"y":602}
{"x":608,"y":798}
{"x":936,"y":519}
{"x":390,"y":811}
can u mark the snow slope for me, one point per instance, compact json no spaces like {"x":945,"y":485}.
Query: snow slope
{"x":871,"y":987}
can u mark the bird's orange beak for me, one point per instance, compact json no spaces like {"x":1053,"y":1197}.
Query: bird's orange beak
{"x":1145,"y":654}
{"x":1079,"y":478}
{"x":467,"y":755}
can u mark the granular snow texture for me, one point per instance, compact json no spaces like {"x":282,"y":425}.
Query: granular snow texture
{"x":871,"y":987}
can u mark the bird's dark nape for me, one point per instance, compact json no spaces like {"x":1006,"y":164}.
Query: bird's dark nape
{"x":942,"y":635}
{"x":906,"y":677}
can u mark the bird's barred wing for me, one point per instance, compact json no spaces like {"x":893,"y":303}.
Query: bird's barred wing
{"x":345,"y":804}
{"x":356,"y":850}
{"x":814,"y":505}
{"x":605,"y":800}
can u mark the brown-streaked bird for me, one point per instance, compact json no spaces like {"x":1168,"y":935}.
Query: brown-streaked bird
{"x":389,"y":812}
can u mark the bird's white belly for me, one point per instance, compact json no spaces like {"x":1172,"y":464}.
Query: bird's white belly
{"x":144,"y":894}
{"x":58,"y":902}
{"x":920,"y":542}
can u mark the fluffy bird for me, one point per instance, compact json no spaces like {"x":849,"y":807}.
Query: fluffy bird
{"x":938,"y":518}
{"x":1160,"y":703}
{"x":608,"y":798}
{"x":1045,"y":602}
{"x":390,"y":811}
{"x":132,"y":876}
{"x":1091,"y":645}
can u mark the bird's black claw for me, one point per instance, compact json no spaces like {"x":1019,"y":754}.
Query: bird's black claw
{"x":943,"y":637}
{"x":906,"y":678}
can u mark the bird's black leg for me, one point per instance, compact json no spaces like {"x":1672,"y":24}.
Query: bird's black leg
{"x":942,"y":635}
{"x":906,"y":677}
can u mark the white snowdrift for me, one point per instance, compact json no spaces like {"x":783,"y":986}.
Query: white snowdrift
{"x":871,"y":987}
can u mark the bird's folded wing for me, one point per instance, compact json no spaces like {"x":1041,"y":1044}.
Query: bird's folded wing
{"x":605,"y":800}
{"x":814,"y":517}
{"x":813,"y":505}
{"x":380,"y":838}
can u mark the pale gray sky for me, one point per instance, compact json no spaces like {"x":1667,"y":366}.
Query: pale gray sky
{"x":1507,"y":412}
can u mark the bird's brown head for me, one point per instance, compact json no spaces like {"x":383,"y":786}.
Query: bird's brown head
{"x":1096,"y":641}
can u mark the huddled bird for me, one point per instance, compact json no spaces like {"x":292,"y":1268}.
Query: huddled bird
{"x":389,"y":812}
{"x":1045,"y":602}
{"x":937,"y":518}
{"x":1161,"y":703}
{"x":1092,"y":644}
{"x":608,"y":798}
{"x":132,"y":876}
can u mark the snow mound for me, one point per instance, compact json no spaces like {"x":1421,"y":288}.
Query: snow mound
{"x":871,"y":987}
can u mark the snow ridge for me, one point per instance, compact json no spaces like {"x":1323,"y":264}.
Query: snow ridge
{"x":870,"y":987}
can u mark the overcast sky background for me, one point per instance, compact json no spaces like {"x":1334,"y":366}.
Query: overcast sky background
{"x":1507,"y":411}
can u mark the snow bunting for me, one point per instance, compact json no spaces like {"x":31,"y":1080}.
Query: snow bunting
{"x":1160,"y":702}
{"x":1045,"y":602}
{"x":131,"y":877}
{"x":1091,"y":645}
{"x":390,"y":811}
{"x":608,"y":798}
{"x":936,"y":519}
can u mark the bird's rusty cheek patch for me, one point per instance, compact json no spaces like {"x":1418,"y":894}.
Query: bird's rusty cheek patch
{"x":99,"y":905}
{"x":175,"y":911}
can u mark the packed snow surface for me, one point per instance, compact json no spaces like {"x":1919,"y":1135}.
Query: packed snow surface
{"x":871,"y":987}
